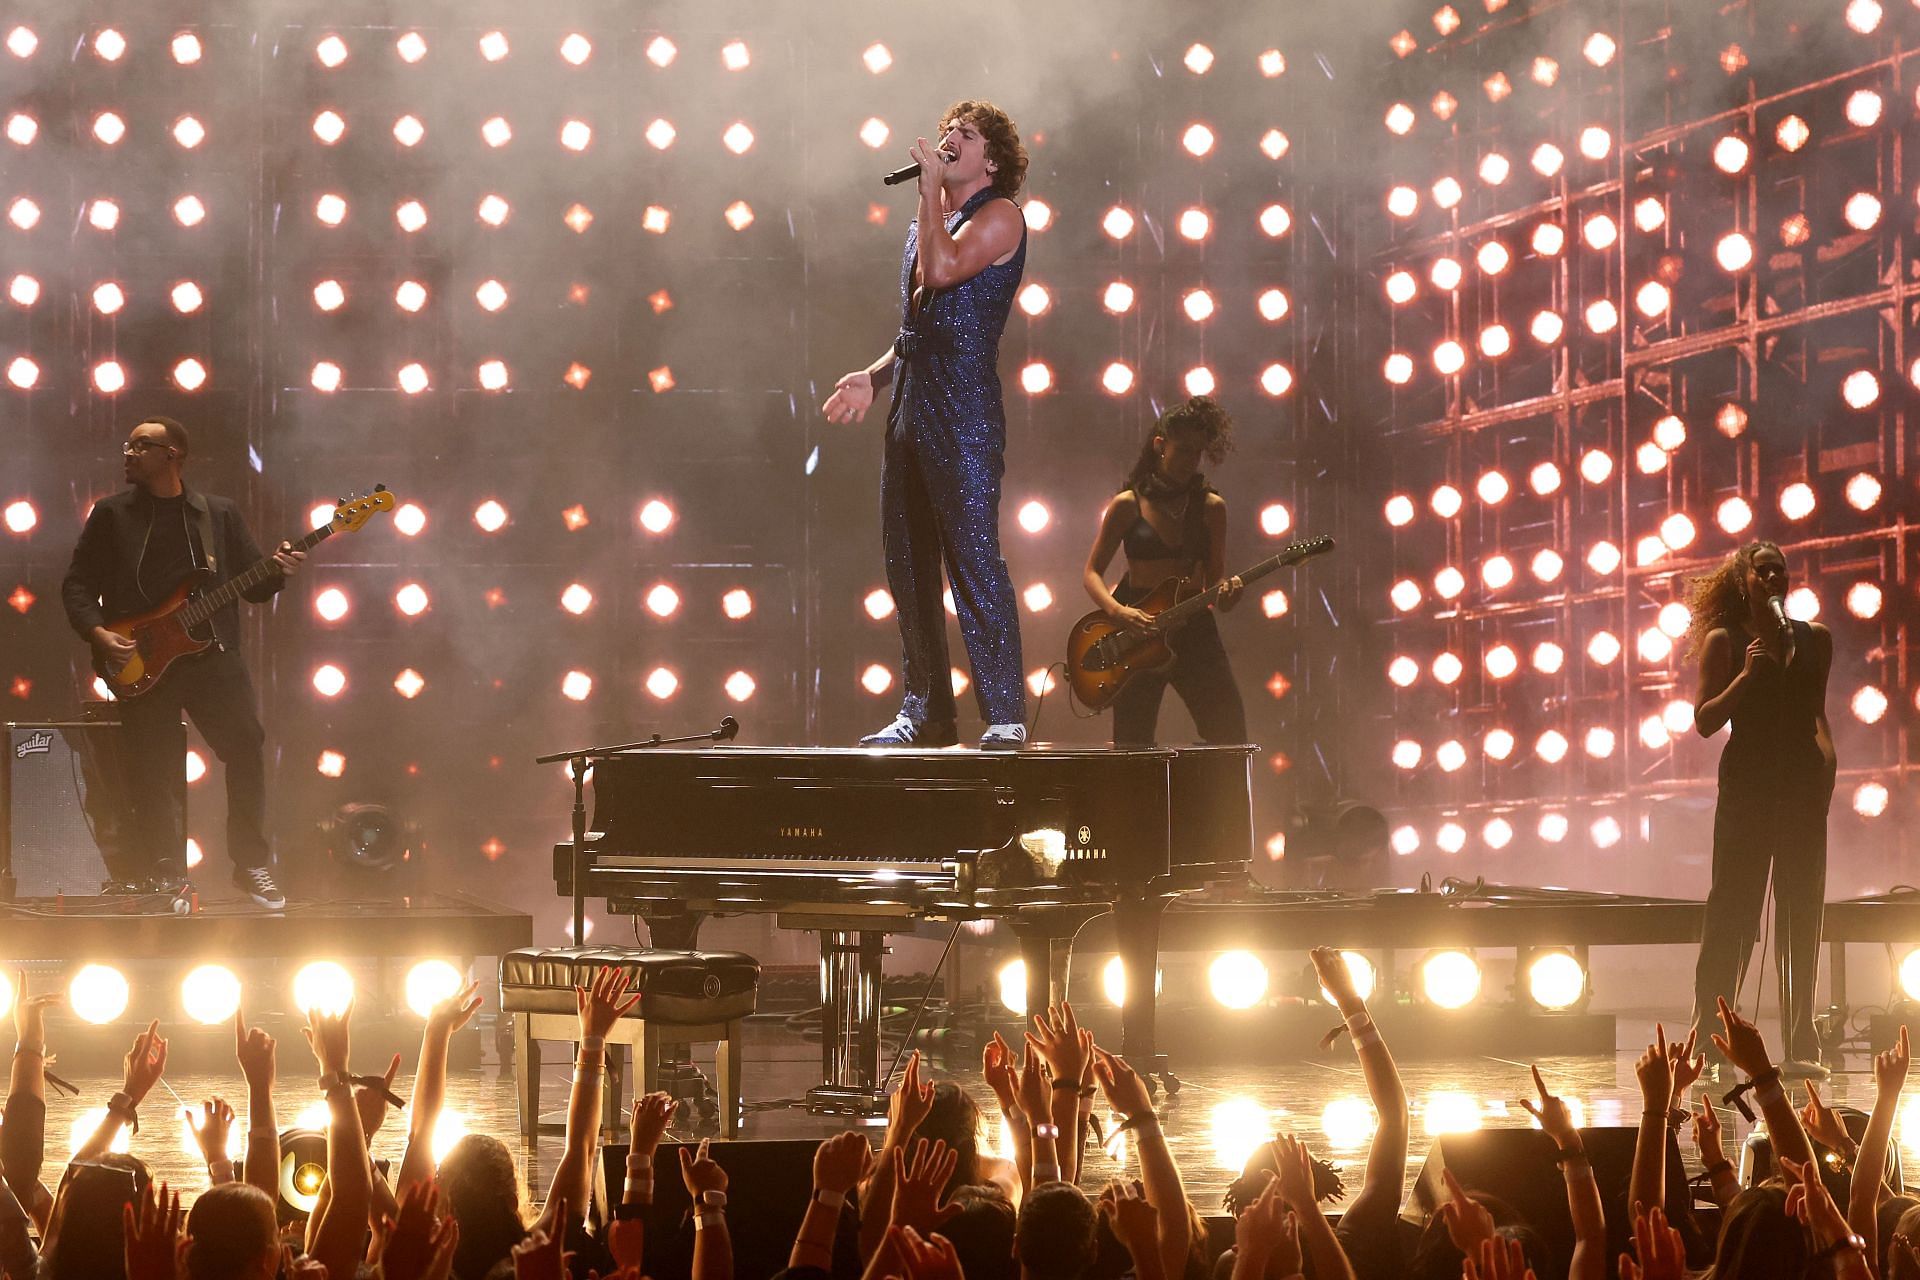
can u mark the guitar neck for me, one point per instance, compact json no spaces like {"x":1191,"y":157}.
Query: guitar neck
{"x":1174,"y":616}
{"x":205,"y":606}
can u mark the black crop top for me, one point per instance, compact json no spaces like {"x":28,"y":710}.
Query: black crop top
{"x":1143,"y":541}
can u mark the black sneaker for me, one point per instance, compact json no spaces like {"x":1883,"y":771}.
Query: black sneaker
{"x":168,"y":877}
{"x":257,"y":883}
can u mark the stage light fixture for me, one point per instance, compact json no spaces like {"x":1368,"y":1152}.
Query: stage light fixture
{"x":330,"y":209}
{"x":1501,"y":661}
{"x":1199,"y":381}
{"x":1036,"y":377}
{"x":1360,"y":972}
{"x":1450,"y":756}
{"x":1548,"y":159}
{"x":1401,"y":287}
{"x":189,"y":132}
{"x":1445,"y":274}
{"x":409,"y":683}
{"x":23,"y":290}
{"x":21,"y":42}
{"x":1273,"y":305}
{"x":188,"y":211}
{"x":662,"y":683}
{"x":1403,"y":671}
{"x":1194,"y":224}
{"x":98,"y":994}
{"x":1117,"y":379}
{"x":24,"y":213}
{"x":1405,"y":595}
{"x":1605,"y":831}
{"x":1038,"y":214}
{"x":1653,"y":734}
{"x":189,"y":374}
{"x":1447,"y":192}
{"x":576,"y":686}
{"x":1498,"y":744}
{"x":1497,"y":833}
{"x":494,"y":46}
{"x":329,"y":681}
{"x":496,"y":132}
{"x":1450,"y":979}
{"x":1237,"y":979}
{"x":1493,"y":258}
{"x":1274,"y":144}
{"x":1730,"y":153}
{"x":7,"y":995}
{"x":1860,"y":389}
{"x":103,"y":215}
{"x":1117,"y":298}
{"x":1553,"y":827}
{"x":1863,"y":108}
{"x":1400,"y":119}
{"x":22,"y":129}
{"x":186,"y":297}
{"x":109,"y":377}
{"x":1548,"y":657}
{"x":1600,"y":231}
{"x":20,"y":517}
{"x":1863,"y":491}
{"x":430,"y":982}
{"x":1733,"y":515}
{"x":1546,"y":327}
{"x":1449,"y":358}
{"x":874,"y":132}
{"x":108,"y":298}
{"x":1494,"y":168}
{"x":1446,"y":502}
{"x":1551,"y":746}
{"x":1864,"y":600}
{"x":1404,"y":841}
{"x":1496,"y":573}
{"x":1797,"y":501}
{"x":1275,"y":519}
{"x":1447,"y":667}
{"x":411,"y":47}
{"x":1649,"y":213}
{"x":1113,"y":981}
{"x":1602,"y":316}
{"x":1862,"y":211}
{"x":1449,"y":582}
{"x":1403,"y":201}
{"x":1603,"y":557}
{"x":210,"y":994}
{"x":1399,"y":510}
{"x":1868,"y":704}
{"x":1556,"y":981}
{"x":1198,"y":139}
{"x":1802,"y":604}
{"x":1198,"y":304}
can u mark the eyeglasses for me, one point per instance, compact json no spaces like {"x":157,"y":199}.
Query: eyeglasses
{"x":134,"y":448}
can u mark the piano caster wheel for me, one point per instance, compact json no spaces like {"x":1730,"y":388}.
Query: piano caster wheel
{"x":1172,"y":1083}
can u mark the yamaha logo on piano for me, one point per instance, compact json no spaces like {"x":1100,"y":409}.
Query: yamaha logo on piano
{"x":803,"y":833}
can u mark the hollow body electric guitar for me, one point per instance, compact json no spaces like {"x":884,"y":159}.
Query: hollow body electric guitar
{"x":179,"y":627}
{"x":1103,"y":656}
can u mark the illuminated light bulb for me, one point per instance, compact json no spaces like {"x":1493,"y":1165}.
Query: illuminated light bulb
{"x":1548,"y":658}
{"x":330,"y":209}
{"x":331,"y":51}
{"x":1446,"y":502}
{"x":1551,"y":746}
{"x":1792,"y":133}
{"x":1447,"y":192}
{"x":1276,"y":379}
{"x":1445,"y":274}
{"x":739,"y":215}
{"x":1398,"y":368}
{"x":1405,"y":595}
{"x":1863,"y":491}
{"x":413,"y":378}
{"x":1595,"y":142}
{"x":656,"y":517}
{"x":1649,"y":213}
{"x":1863,"y":16}
{"x":1501,"y":661}
{"x":1795,"y":230}
{"x":1548,"y":159}
{"x":1035,"y":378}
{"x":878,"y":604}
{"x":1198,"y":304}
{"x":1868,"y":704}
{"x":1553,"y":827}
{"x":20,"y":517}
{"x":1730,"y":421}
{"x":1447,"y":668}
{"x":1406,"y":754}
{"x":1546,"y":327}
{"x":1797,"y":501}
{"x":737,"y":604}
{"x":1730,"y":153}
{"x":1648,"y":549}
{"x":1272,"y":305}
{"x":1403,"y":201}
{"x":1275,"y":519}
{"x":1117,"y":297}
{"x":1870,"y":801}
{"x":189,"y":374}
{"x":874,"y":132}
{"x":1860,"y":389}
{"x":576,"y":135}
{"x":1602,"y":316}
{"x":1405,"y":841}
{"x":1495,"y":341}
{"x":1802,"y":604}
{"x":1403,"y":671}
{"x":1547,"y":565}
{"x":1450,"y":756}
{"x":492,"y":375}
{"x":653,"y":219}
{"x":98,"y":994}
{"x":109,"y":128}
{"x":1274,"y":144}
{"x":1038,"y":215}
{"x":1034,"y":299}
{"x":108,"y":298}
{"x":1548,"y":239}
{"x":1654,"y":645}
{"x":1603,"y":557}
{"x":1544,"y":478}
{"x":1600,"y":231}
{"x":1272,"y":63}
{"x":23,"y":373}
{"x":22,"y":129}
{"x":1862,"y":211}
{"x":1497,"y":833}
{"x":494,"y":46}
{"x":1652,"y":299}
{"x":186,"y":297}
{"x":409,"y":295}
{"x":411,"y":47}
{"x":1275,"y":221}
{"x":661,"y":683}
{"x":1401,"y":287}
{"x":575,"y":49}
{"x":493,"y":210}
{"x":1863,"y":108}
{"x":1733,"y":515}
{"x":1194,"y":224}
{"x":1038,"y":597}
{"x":1599,"y":49}
{"x":738,"y":138}
{"x":408,"y":131}
{"x":109,"y":377}
{"x":1449,"y":357}
{"x":325,"y":376}
{"x":188,"y":211}
{"x":1449,"y":582}
{"x":1654,"y":734}
{"x":1493,"y":257}
{"x":1650,"y":458}
{"x":735,"y":56}
{"x":661,"y":51}
{"x":1494,"y":168}
{"x":103,"y":215}
{"x":1450,"y":979}
{"x":877,"y":58}
{"x":21,"y":42}
{"x":1118,"y":223}
{"x":1864,"y":600}
{"x":1678,"y":531}
{"x":1399,"y":510}
{"x":1400,"y":119}
{"x":1198,"y":139}
{"x":1498,"y":744}
{"x":1599,"y":742}
{"x":1117,"y":379}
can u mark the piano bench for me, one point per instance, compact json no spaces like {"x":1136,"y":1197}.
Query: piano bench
{"x":687,"y":997}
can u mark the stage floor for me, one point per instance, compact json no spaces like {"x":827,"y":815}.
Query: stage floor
{"x":1218,"y":1116}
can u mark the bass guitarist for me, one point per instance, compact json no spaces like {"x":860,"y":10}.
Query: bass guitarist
{"x":136,"y":548}
{"x":1173,"y":524}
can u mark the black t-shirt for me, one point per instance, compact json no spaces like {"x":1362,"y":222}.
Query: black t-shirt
{"x":168,"y":557}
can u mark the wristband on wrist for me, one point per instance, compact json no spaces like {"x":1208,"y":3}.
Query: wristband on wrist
{"x":593,"y":1044}
{"x":1046,"y":1173}
{"x":30,"y":1050}
{"x":708,"y":1218}
{"x":121,"y":1105}
{"x":1572,"y":1155}
{"x":1720,"y":1166}
{"x":831,"y":1199}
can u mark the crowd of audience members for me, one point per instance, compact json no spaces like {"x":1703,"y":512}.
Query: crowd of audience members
{"x":929,"y":1204}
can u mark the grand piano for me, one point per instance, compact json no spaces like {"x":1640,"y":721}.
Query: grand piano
{"x":856,"y":844}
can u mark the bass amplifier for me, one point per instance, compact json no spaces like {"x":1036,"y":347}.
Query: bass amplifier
{"x":64,"y":815}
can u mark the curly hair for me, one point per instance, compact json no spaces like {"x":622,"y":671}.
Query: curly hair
{"x":1201,"y":416}
{"x":1002,"y":137}
{"x":1719,"y":599}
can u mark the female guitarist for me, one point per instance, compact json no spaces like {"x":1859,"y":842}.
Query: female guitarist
{"x":1173,"y":524}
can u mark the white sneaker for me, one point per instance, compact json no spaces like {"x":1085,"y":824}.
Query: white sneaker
{"x":904,"y":732}
{"x":1004,"y":737}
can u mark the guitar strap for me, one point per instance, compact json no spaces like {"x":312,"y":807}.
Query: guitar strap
{"x":204,"y":557}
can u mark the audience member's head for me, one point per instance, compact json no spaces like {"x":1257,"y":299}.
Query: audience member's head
{"x":480,"y":1187}
{"x":1759,"y":1240}
{"x":1899,"y":1215}
{"x":982,"y":1233}
{"x":1436,"y":1258}
{"x":233,"y":1234}
{"x":955,"y":1119}
{"x":89,"y":1236}
{"x":1054,"y":1238}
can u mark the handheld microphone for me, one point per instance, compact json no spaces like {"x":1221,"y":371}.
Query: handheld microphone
{"x":912,"y":171}
{"x":1779,"y":611}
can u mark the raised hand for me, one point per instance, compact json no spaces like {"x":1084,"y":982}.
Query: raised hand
{"x":1552,"y":1112}
{"x":211,"y":1130}
{"x":1126,"y":1091}
{"x":330,"y":1036}
{"x":996,"y":1064}
{"x":1467,"y":1221}
{"x":1295,"y":1164}
{"x":30,"y":1012}
{"x":418,"y":1238}
{"x":1056,"y":1037}
{"x":151,"y":1226}
{"x":538,"y":1257}
{"x":919,"y":1186}
{"x":932,"y":1258}
{"x":456,"y":1011}
{"x":254,"y":1049}
{"x":1035,"y":1094}
{"x":652,"y":1113}
{"x":372,"y":1103}
{"x":1655,"y":1072}
{"x":1824,"y":1126}
{"x":605,"y":1003}
{"x":1707,"y":1134}
{"x":910,"y":1104}
{"x":841,"y":1162}
{"x":1498,"y":1260}
{"x":1663,"y":1255}
{"x":146,"y":1063}
{"x":1336,"y":979}
{"x":1134,"y":1222}
{"x":1267,"y":1236}
{"x":1741,"y":1045}
{"x":700,"y":1171}
{"x":1890,"y":1065}
{"x":1688,"y":1067}
{"x":1808,"y":1200}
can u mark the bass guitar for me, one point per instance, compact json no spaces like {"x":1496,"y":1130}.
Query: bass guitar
{"x":1103,"y":656}
{"x":177,"y":627}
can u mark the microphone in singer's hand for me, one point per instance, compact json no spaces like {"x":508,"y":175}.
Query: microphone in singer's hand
{"x":912,"y":171}
{"x":1779,"y":611}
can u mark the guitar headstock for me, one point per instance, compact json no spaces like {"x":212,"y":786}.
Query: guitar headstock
{"x":1305,"y":549}
{"x":352,"y":512}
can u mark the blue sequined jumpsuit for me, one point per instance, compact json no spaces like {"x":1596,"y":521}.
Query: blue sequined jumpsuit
{"x":940,"y":485}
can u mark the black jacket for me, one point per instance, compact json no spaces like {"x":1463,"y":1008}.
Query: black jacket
{"x":102,"y":583}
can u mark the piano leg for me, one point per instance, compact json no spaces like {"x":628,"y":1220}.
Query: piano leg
{"x":850,"y":1024}
{"x":1045,"y":955}
{"x":1136,"y":924}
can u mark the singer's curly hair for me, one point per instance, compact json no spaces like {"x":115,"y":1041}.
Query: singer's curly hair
{"x":1003,"y":141}
{"x":1719,"y":599}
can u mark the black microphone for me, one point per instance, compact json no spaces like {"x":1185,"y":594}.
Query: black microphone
{"x":729,"y":730}
{"x":912,"y":171}
{"x":1779,"y":611}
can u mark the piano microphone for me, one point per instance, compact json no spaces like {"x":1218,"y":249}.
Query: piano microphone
{"x":729,"y":730}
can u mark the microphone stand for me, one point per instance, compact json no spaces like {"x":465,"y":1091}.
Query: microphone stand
{"x":577,"y":766}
